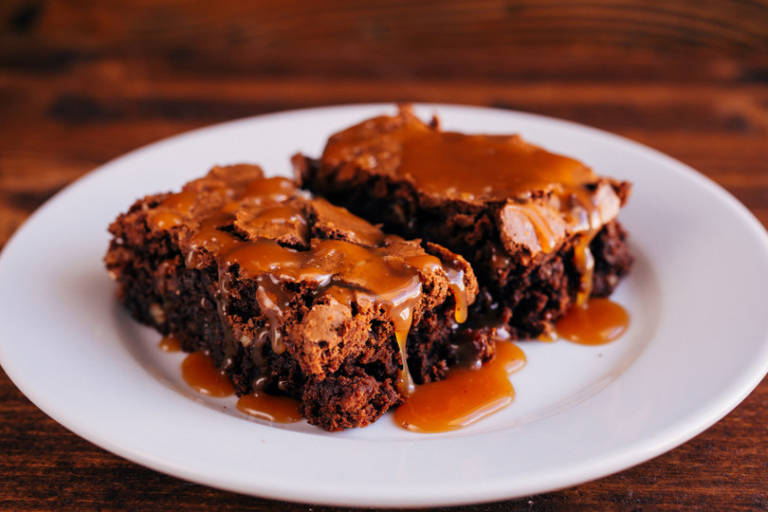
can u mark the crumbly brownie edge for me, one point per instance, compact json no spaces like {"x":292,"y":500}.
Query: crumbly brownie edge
{"x":158,"y":290}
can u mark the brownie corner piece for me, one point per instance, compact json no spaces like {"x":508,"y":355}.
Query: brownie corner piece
{"x":539,"y":229}
{"x":290,"y":294}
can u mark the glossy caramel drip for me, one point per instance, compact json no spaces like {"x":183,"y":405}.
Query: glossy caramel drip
{"x":585,"y":264}
{"x":465,"y":396}
{"x":544,"y":232}
{"x":598,"y":322}
{"x":199,"y":372}
{"x":275,"y":189}
{"x":459,"y":291}
{"x":272,"y":301}
{"x":181,"y":202}
{"x":173,"y":209}
{"x":588,"y":225}
{"x":169,"y":343}
{"x":277,"y":409}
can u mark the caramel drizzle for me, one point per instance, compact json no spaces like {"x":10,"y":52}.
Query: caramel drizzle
{"x":589,"y":226}
{"x":344,"y":270}
{"x":459,"y":290}
{"x":544,"y":233}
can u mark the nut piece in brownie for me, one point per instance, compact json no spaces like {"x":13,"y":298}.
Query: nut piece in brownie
{"x":290,"y":294}
{"x":539,"y":228}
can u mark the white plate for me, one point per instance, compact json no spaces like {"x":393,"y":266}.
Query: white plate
{"x":698,"y":343}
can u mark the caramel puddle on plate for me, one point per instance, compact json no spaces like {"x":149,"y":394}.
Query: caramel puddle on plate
{"x":199,"y":372}
{"x":465,"y":397}
{"x":598,"y":322}
{"x":278,"y":409}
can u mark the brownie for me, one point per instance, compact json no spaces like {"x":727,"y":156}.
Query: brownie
{"x":539,"y":229}
{"x":292,"y":295}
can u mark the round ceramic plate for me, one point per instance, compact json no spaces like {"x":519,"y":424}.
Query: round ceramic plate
{"x":697,"y":344}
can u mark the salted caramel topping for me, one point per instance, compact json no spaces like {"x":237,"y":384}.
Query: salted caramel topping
{"x":466,"y":396}
{"x":199,"y":372}
{"x":169,"y":343}
{"x":479,"y":166}
{"x":599,"y":321}
{"x":469,"y":166}
{"x":277,"y":409}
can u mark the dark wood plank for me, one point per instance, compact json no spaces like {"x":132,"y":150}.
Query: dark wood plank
{"x":84,"y":81}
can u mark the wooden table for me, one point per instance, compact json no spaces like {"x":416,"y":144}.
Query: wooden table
{"x":83,"y":82}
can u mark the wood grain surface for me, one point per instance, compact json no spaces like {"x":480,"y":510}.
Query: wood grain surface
{"x":84,"y":81}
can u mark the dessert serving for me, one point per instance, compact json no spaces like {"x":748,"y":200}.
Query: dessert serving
{"x":305,"y":310}
{"x":539,"y":229}
{"x":290,"y":295}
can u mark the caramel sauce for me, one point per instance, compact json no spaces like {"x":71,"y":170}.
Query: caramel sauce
{"x":199,"y":372}
{"x":588,"y":225}
{"x":276,"y":189}
{"x":458,"y":288}
{"x":598,"y":322}
{"x":585,"y":263}
{"x":465,"y":397}
{"x":278,"y":409}
{"x":166,"y":219}
{"x":181,"y":202}
{"x":170,"y":343}
{"x":210,"y":236}
{"x":541,"y":227}
{"x":479,"y":166}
